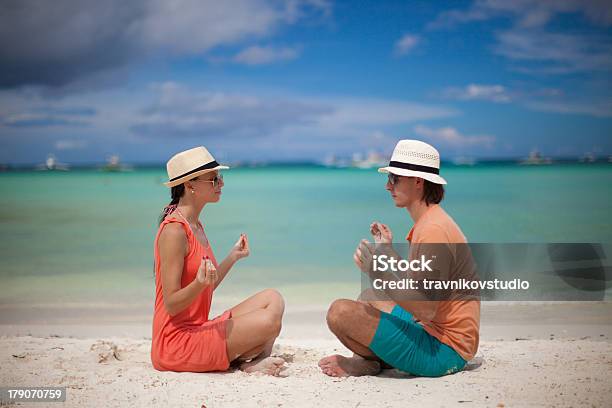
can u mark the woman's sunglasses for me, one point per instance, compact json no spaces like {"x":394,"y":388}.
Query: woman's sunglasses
{"x":216,"y":180}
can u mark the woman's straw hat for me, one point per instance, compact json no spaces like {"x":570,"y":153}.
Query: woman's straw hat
{"x":189,"y":164}
{"x":413,"y":158}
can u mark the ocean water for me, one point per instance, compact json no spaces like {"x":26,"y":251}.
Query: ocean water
{"x":87,"y":235}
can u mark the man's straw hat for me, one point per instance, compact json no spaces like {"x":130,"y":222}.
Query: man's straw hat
{"x":413,"y":158}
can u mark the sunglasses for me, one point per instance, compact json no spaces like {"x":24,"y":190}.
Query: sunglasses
{"x":216,"y":180}
{"x":393,"y":179}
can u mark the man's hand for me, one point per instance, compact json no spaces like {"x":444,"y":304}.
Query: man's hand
{"x":363,"y":256}
{"x":381,"y":233}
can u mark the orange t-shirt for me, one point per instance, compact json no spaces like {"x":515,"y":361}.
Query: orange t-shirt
{"x":456,"y":323}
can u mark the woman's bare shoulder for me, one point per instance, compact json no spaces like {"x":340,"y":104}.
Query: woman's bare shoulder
{"x":173,"y":232}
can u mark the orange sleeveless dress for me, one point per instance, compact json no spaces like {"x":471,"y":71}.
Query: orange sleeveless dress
{"x":188,"y":341}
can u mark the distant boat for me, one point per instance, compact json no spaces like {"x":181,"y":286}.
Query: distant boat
{"x":535,"y":159}
{"x":334,"y":162}
{"x":51,"y":164}
{"x":588,"y":158}
{"x":113,"y":164}
{"x":464,"y":161}
{"x":373,"y":160}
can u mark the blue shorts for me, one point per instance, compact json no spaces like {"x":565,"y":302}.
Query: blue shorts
{"x":404,"y":344}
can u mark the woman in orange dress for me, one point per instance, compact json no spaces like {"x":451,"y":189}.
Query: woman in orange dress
{"x":186,"y":275}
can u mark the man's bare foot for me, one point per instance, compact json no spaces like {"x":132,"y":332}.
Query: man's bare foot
{"x":266,"y":365}
{"x":340,"y":366}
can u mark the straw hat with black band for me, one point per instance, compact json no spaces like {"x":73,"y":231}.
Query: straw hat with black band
{"x":413,"y":158}
{"x":189,"y":164}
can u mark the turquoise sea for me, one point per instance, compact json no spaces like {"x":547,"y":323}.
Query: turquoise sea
{"x":86,"y":235}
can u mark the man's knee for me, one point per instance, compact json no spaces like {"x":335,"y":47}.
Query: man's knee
{"x":377,"y":300}
{"x":366,"y":296}
{"x":339,"y":313}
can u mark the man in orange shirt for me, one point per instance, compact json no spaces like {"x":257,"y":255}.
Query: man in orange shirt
{"x":417,"y":335}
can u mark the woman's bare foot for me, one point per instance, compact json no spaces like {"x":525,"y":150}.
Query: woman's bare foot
{"x":266,"y":365}
{"x":340,"y":366}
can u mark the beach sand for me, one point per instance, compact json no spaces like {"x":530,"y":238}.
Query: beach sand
{"x":553,"y":355}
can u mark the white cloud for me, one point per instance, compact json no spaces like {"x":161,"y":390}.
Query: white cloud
{"x":60,"y":42}
{"x":35,"y":120}
{"x":493,"y":93}
{"x":257,"y":55}
{"x":542,"y":99}
{"x":451,"y":137}
{"x":179,"y":110}
{"x":592,"y":108}
{"x":555,"y":53}
{"x":171,"y":116}
{"x":527,"y":13}
{"x":195,"y":26}
{"x":20,"y":110}
{"x":182,"y":112}
{"x":406,"y":44}
{"x":353,"y":113}
{"x":532,"y":44}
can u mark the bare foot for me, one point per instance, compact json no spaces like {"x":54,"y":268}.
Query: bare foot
{"x":266,"y":365}
{"x":340,"y":366}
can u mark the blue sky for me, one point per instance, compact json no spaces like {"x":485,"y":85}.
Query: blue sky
{"x":303,"y":79}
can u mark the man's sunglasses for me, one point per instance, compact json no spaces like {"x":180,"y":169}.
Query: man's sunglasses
{"x":393,"y":179}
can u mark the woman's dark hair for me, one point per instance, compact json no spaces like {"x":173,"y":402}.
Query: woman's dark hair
{"x":432,"y":193}
{"x":176,"y":193}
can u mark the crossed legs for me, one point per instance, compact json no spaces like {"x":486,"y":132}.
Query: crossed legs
{"x":354,"y":322}
{"x":256,"y":323}
{"x":251,"y":331}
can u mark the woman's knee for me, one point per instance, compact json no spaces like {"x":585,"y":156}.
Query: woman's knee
{"x":275,"y":299}
{"x":271,"y":324}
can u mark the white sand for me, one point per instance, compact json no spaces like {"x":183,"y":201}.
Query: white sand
{"x":551,"y":367}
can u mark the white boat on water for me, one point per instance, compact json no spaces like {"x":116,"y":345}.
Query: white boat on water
{"x":332,"y":161}
{"x":588,"y":158}
{"x":535,"y":159}
{"x":373,"y":160}
{"x":51,"y":164}
{"x":464,"y":161}
{"x":113,"y":164}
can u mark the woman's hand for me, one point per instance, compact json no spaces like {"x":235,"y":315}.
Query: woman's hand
{"x":207,"y":273}
{"x":241,"y":248}
{"x":381,"y":233}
